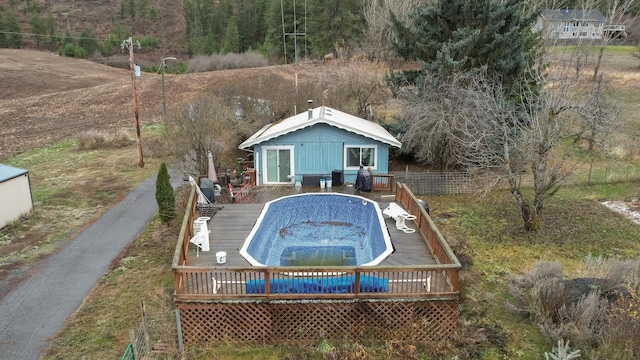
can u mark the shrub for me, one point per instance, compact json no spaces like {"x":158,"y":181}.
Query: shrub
{"x":72,"y":50}
{"x":598,"y":311}
{"x":148,"y":41}
{"x":228,"y":61}
{"x":539,"y":292}
{"x":92,"y":139}
{"x":624,"y":327}
{"x":562,"y":352}
{"x":164,"y":196}
{"x":119,"y":138}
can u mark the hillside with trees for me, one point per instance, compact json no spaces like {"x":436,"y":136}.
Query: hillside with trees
{"x":282,"y":30}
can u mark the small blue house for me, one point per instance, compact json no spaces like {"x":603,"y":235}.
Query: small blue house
{"x":321,"y":142}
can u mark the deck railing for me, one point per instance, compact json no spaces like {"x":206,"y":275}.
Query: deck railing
{"x":202,"y":283}
{"x":379,"y":282}
{"x":382,"y":182}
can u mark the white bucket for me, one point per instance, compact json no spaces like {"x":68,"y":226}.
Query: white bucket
{"x":329,"y":182}
{"x":221,"y":257}
{"x":322,"y":181}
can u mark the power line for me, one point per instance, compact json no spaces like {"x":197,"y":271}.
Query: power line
{"x":56,"y":36}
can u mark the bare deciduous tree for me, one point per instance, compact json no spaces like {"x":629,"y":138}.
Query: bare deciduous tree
{"x":362,"y":85}
{"x":204,"y":125}
{"x":429,"y":121}
{"x":542,"y":134}
{"x":470,"y":121}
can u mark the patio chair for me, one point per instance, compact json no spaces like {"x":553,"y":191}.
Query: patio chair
{"x":203,"y":200}
{"x":399,"y":215}
{"x":201,"y":240}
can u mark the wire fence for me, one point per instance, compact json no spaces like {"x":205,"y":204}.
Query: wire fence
{"x":463,"y":182}
{"x":444,"y":182}
{"x":155,"y":335}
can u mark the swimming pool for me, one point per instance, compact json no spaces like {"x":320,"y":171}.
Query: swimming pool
{"x":318,"y":229}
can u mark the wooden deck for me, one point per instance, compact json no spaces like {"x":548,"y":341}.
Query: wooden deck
{"x":231,"y":225}
{"x":412,"y":294}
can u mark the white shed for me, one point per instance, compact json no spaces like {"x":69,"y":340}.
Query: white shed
{"x":15,"y":194}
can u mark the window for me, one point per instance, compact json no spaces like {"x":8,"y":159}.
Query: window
{"x":566,"y":28}
{"x":583,"y":34}
{"x":354,"y":156}
{"x":576,"y":23}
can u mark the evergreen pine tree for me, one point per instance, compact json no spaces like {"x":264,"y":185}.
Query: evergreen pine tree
{"x":38,"y":28}
{"x":3,"y":37}
{"x":164,"y":196}
{"x":11,"y":25}
{"x":460,"y":35}
{"x":211,"y":45}
{"x":333,"y":24}
{"x":231,"y":37}
{"x":88,"y":41}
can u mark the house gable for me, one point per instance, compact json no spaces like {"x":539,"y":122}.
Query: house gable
{"x":322,"y":115}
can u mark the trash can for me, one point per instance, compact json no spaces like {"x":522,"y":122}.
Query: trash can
{"x":425,"y":206}
{"x":338,"y":177}
{"x":329,"y":182}
{"x":239,"y":165}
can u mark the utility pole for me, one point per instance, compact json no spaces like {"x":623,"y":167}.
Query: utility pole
{"x":164,"y":96}
{"x":129,"y":44}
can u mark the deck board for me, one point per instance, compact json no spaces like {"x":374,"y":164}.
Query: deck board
{"x":231,"y":225}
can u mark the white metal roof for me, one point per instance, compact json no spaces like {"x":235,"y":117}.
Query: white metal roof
{"x":9,"y":172}
{"x":322,"y":115}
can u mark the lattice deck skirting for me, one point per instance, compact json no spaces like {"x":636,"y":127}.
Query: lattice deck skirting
{"x":308,"y":322}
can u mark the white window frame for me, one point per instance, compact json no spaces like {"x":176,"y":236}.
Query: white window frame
{"x":375,"y":156}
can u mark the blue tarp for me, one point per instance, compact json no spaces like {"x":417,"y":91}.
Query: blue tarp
{"x":318,"y":285}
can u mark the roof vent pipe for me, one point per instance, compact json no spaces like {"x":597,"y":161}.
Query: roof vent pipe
{"x":310,"y":111}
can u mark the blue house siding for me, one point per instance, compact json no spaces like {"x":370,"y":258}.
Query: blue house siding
{"x":319,"y":150}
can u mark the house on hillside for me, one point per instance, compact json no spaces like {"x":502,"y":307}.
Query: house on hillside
{"x":322,"y":142}
{"x":568,"y":24}
{"x":15,"y":194}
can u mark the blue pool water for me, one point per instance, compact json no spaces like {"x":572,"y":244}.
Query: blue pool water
{"x":318,"y":229}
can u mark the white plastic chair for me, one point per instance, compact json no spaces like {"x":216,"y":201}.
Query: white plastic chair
{"x":201,"y":237}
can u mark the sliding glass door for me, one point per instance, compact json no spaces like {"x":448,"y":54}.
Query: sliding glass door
{"x":278,"y":162}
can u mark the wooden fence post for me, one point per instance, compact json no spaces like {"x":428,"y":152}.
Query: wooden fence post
{"x":145,"y":330}
{"x":133,"y":340}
